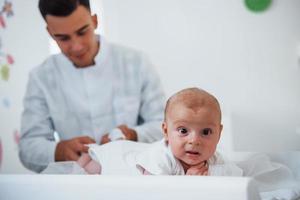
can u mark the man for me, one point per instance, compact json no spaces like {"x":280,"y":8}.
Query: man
{"x":93,"y":91}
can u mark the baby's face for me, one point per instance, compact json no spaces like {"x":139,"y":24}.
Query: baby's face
{"x":192,"y":134}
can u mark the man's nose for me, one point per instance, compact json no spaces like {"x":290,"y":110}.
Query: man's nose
{"x":77,"y":45}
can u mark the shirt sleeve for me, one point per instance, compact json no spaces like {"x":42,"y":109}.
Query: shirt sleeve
{"x":37,"y":144}
{"x":152,"y":104}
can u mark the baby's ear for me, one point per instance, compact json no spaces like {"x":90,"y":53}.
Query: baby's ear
{"x":220,"y":132}
{"x":221,"y":128}
{"x":165,"y":130}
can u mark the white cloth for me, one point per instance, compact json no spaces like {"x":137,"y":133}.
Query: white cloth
{"x":65,"y":167}
{"x":274,"y":181}
{"x":126,"y":157}
{"x":118,"y":157}
{"x":121,"y":88}
{"x":281,"y":194}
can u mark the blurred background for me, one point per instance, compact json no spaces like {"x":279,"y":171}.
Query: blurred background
{"x":249,"y":59}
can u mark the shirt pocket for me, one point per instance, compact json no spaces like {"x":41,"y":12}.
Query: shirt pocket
{"x":127,"y":110}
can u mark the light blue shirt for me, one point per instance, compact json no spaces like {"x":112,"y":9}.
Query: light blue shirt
{"x":121,"y":88}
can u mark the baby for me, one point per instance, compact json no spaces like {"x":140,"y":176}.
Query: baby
{"x":192,"y":129}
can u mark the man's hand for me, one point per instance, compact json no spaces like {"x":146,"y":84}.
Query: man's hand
{"x":105,"y":139}
{"x":72,"y":149}
{"x":200,"y":169}
{"x":129,"y":134}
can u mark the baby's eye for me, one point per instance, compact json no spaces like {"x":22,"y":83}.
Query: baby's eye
{"x":206,"y":131}
{"x":182,"y":130}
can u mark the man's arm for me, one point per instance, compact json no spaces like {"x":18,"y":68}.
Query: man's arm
{"x":37,"y":146}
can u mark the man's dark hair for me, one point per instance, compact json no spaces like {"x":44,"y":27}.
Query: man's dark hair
{"x":61,"y":8}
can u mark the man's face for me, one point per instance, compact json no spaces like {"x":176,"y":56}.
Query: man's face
{"x":75,"y":36}
{"x":192,"y":134}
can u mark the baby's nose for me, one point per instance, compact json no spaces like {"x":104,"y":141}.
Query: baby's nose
{"x":194,"y":138}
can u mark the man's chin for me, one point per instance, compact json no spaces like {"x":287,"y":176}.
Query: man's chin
{"x":82,"y":64}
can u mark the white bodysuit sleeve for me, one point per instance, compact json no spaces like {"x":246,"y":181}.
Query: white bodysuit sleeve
{"x":158,"y":160}
{"x":218,"y":166}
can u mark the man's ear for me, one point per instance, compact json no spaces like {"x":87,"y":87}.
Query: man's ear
{"x":165,"y":130}
{"x":95,"y":20}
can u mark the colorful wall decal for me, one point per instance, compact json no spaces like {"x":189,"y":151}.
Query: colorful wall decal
{"x":258,"y":5}
{"x":2,"y":22}
{"x":7,"y":9}
{"x":5,"y":72}
{"x":6,"y":60}
{"x":16,"y":137}
{"x":10,"y":59}
{"x":6,"y":102}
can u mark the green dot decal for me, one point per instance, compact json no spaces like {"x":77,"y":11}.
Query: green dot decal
{"x":258,"y":5}
{"x":5,"y":72}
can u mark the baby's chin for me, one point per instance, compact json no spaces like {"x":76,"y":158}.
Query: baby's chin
{"x":187,"y":164}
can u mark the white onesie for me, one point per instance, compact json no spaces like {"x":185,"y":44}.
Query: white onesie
{"x":131,"y":158}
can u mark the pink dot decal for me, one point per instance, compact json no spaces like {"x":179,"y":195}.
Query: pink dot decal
{"x":2,"y":22}
{"x":16,"y":136}
{"x":10,"y":59}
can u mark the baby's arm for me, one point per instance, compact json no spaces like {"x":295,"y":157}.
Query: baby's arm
{"x":200,"y":169}
{"x":89,"y":165}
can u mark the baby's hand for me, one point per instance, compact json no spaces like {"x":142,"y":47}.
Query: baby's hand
{"x":200,"y":169}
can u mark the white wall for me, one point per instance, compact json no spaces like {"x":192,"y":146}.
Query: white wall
{"x":248,"y":60}
{"x":26,"y":40}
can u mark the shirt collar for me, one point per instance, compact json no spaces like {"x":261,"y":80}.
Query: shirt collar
{"x":102,"y":52}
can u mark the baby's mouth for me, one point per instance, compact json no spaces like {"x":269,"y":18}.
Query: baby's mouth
{"x":192,"y":153}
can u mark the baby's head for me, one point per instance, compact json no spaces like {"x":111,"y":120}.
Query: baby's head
{"x":192,"y":125}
